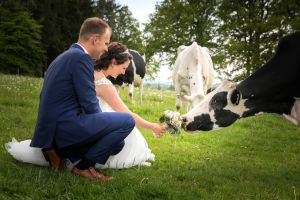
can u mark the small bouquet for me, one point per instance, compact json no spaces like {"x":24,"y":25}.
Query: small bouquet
{"x":172,"y":121}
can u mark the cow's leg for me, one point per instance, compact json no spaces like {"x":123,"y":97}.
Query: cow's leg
{"x":297,"y":111}
{"x":187,"y":106}
{"x":185,"y":102}
{"x":130,"y":92}
{"x":178,"y":103}
{"x":294,"y":116}
{"x":191,"y":101}
{"x":204,"y":86}
{"x":141,"y":90}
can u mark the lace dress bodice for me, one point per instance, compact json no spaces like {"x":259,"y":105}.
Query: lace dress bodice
{"x":103,"y":105}
{"x":103,"y":81}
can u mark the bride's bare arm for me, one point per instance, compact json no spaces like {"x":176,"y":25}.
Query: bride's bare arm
{"x":110,"y":95}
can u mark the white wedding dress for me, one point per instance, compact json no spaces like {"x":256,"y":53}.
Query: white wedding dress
{"x":134,"y":153}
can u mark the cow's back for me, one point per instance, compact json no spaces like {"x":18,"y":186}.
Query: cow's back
{"x":136,"y":66}
{"x":139,"y":63}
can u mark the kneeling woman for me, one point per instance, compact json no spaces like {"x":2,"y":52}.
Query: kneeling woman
{"x":135,"y":152}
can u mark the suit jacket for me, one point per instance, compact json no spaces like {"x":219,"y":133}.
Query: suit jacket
{"x":69,"y":111}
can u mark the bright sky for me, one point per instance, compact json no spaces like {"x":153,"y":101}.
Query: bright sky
{"x":141,"y":11}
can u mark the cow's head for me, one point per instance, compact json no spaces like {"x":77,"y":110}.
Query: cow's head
{"x":220,"y":108}
{"x":223,"y":106}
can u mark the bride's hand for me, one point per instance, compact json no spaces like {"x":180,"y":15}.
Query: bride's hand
{"x":158,"y":130}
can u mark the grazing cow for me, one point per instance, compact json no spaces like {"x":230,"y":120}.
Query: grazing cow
{"x":134,"y":75}
{"x":193,"y":74}
{"x":274,"y":88}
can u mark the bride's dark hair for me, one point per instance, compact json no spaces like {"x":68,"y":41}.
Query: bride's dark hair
{"x":116,"y":51}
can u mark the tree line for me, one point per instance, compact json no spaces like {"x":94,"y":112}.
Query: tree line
{"x":241,"y":34}
{"x":34,"y":32}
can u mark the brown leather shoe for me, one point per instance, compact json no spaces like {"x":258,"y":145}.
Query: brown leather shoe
{"x":90,"y":173}
{"x":99,"y":175}
{"x":54,"y":160}
{"x":83,"y":173}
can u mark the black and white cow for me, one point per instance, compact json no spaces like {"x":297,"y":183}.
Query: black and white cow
{"x":134,"y":75}
{"x":274,"y":88}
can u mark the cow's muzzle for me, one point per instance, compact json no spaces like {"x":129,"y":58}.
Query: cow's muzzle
{"x":184,"y":123}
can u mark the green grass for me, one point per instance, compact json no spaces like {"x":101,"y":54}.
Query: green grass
{"x":256,"y":158}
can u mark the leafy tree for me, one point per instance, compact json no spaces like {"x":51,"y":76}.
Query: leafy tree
{"x":249,"y":31}
{"x":125,"y":27}
{"x":241,"y":34}
{"x":61,"y":22}
{"x":20,"y":41}
{"x":176,"y":23}
{"x":127,"y":30}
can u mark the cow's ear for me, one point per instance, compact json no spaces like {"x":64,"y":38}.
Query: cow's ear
{"x":235,"y":97}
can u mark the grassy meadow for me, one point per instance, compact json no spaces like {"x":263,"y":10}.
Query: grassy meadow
{"x":256,"y":158}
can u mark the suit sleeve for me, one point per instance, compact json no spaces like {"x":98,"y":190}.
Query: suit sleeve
{"x":83,"y":79}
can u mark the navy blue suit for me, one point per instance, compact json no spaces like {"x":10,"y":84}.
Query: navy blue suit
{"x":69,"y":112}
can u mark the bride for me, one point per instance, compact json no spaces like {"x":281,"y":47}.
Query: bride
{"x":135,"y":151}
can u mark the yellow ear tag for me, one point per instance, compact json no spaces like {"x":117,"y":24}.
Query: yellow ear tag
{"x":238,"y":99}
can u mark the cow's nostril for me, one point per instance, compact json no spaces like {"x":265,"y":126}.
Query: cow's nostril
{"x":184,"y":119}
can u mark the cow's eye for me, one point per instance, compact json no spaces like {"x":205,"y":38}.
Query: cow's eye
{"x":218,"y":101}
{"x":235,"y":97}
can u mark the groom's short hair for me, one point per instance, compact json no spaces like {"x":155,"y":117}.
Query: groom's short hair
{"x":91,"y":26}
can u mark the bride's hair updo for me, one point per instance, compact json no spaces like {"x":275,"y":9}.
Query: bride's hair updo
{"x":116,"y":51}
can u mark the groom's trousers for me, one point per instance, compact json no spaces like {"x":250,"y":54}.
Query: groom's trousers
{"x":99,"y":147}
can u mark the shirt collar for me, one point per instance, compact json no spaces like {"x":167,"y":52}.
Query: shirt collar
{"x":83,"y":48}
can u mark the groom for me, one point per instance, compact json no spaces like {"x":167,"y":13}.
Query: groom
{"x":70,"y":122}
